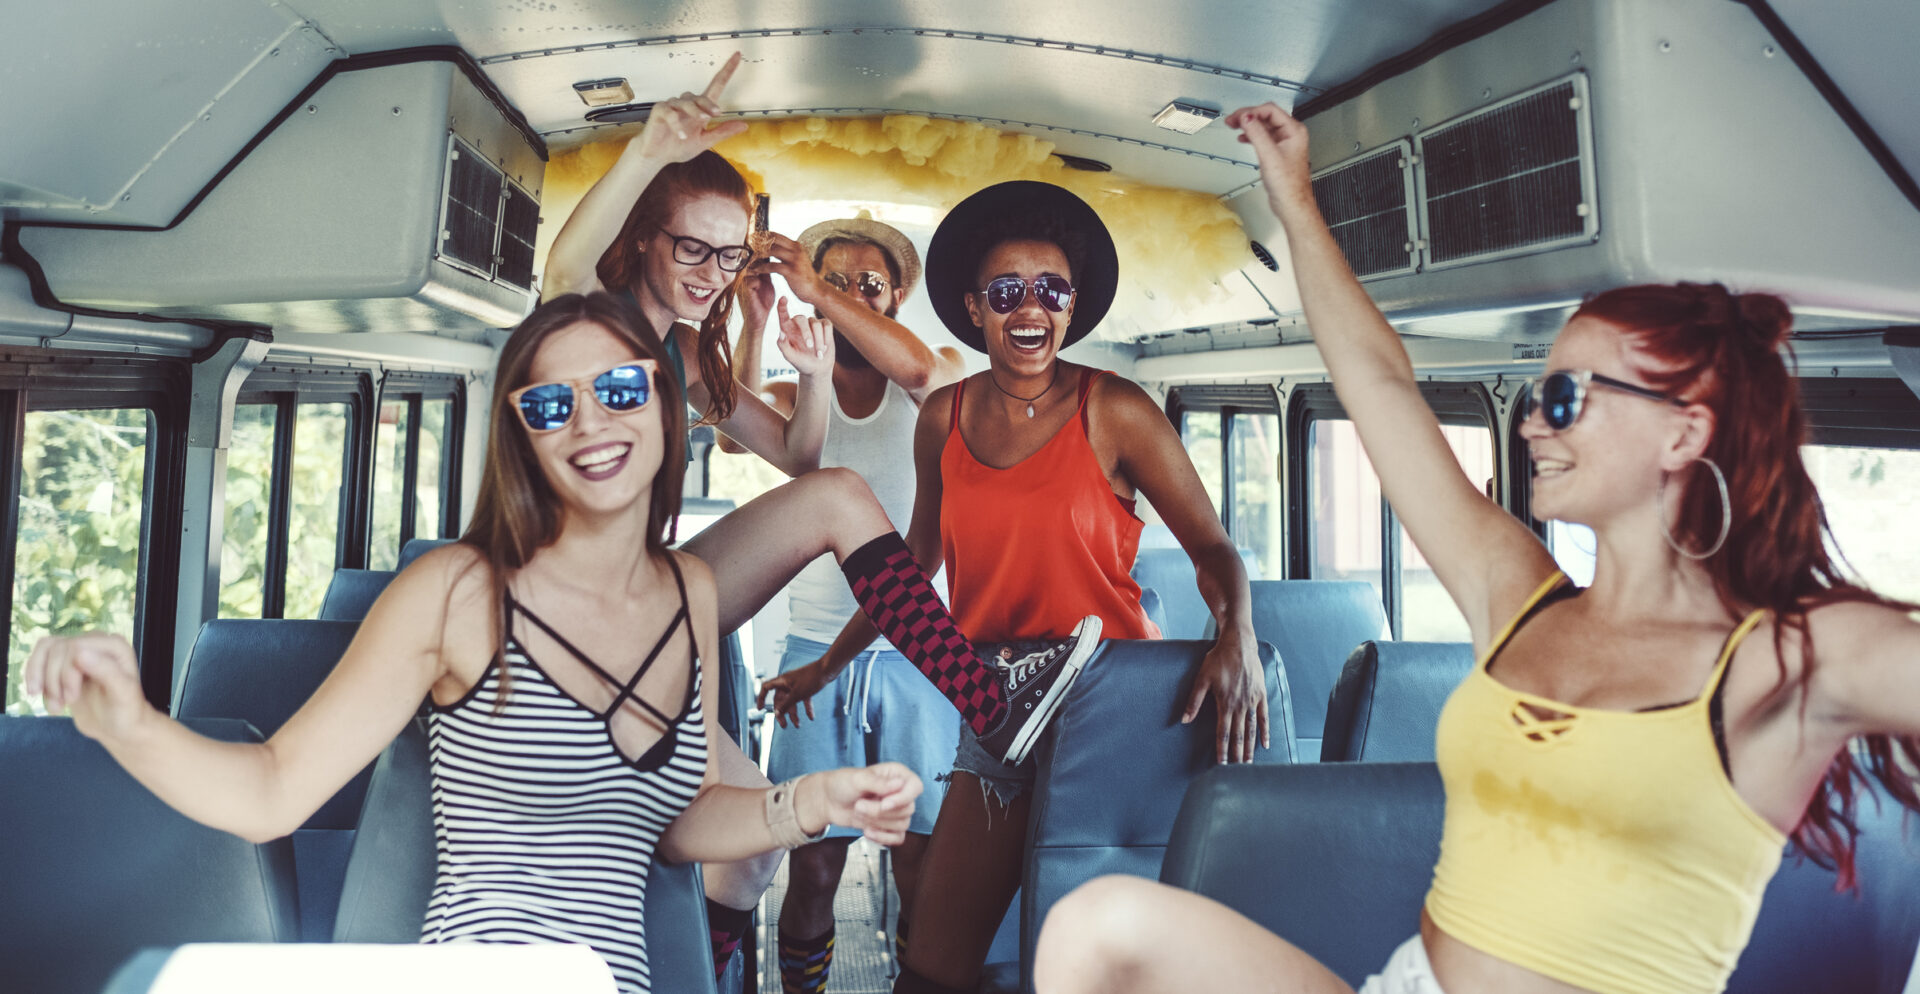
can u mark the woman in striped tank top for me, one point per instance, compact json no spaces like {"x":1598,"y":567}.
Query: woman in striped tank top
{"x":566,"y":754}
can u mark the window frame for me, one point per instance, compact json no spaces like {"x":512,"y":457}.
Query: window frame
{"x":1465,"y":403}
{"x":286,"y":388}
{"x":1225,"y":401}
{"x":414,"y":389}
{"x":44,"y":380}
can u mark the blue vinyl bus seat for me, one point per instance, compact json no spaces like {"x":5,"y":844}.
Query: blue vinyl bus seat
{"x":1386,"y":705}
{"x":94,"y":867}
{"x":1115,"y":764}
{"x":1315,"y":624}
{"x":1337,"y":857}
{"x":351,"y":593}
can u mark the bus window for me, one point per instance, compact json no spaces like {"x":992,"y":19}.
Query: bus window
{"x":436,"y":425}
{"x":249,"y":506}
{"x":389,"y":483}
{"x":82,"y":513}
{"x":1343,"y":529}
{"x":1200,"y":430}
{"x":1871,"y":498}
{"x":1427,"y":614}
{"x":1259,"y":504}
{"x":320,"y":434}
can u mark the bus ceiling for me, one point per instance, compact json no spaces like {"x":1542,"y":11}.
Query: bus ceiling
{"x":1490,"y":161}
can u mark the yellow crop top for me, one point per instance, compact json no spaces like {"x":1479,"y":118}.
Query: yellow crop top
{"x":1605,"y":849}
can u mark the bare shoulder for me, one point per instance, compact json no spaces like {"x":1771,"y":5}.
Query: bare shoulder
{"x":938,"y":407}
{"x":702,"y":596}
{"x":456,"y":575}
{"x":1858,"y":629}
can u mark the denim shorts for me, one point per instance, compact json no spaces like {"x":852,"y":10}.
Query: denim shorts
{"x":1407,"y":972}
{"x":878,"y":710}
{"x":1004,"y":783}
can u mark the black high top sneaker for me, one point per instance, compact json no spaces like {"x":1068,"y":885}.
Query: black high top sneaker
{"x":1035,"y":676}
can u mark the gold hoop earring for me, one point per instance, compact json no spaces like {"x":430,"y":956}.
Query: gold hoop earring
{"x":1726,"y":513}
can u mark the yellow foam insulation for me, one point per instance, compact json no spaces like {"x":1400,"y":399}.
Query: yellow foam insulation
{"x":1174,"y":245}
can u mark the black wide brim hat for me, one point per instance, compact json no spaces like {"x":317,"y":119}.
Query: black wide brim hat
{"x":953,"y":257}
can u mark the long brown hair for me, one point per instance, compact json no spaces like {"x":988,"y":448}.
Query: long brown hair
{"x":1723,"y":350}
{"x":706,"y":174}
{"x":516,"y":512}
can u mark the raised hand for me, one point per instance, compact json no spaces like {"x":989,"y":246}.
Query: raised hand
{"x":807,"y":342}
{"x":1280,"y":143}
{"x":877,"y":799}
{"x":787,"y":259}
{"x":681,"y":128}
{"x":95,"y":678}
{"x":793,"y":690}
{"x":1231,"y":675}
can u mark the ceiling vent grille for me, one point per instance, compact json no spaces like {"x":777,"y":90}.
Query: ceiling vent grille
{"x":488,"y":223}
{"x":1513,"y":179}
{"x":1367,"y":202}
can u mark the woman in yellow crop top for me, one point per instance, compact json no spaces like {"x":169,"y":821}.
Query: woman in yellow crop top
{"x":1623,"y":766}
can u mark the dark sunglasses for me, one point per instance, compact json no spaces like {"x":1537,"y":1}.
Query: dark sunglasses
{"x":1561,"y":396}
{"x":693,"y":252}
{"x":869,"y":283}
{"x":1006,"y":293}
{"x":549,"y":406}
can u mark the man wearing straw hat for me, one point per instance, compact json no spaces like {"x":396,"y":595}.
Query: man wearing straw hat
{"x":856,"y":272}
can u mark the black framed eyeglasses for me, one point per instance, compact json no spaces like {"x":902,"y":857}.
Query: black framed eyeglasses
{"x":692,"y":252}
{"x":1006,"y":293}
{"x":546,"y":407}
{"x":867,"y":282}
{"x":1560,"y":396}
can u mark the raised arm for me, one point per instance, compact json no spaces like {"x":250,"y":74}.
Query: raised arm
{"x":725,"y":823}
{"x":1127,"y":422}
{"x":1867,"y":681}
{"x":791,"y":442}
{"x":896,"y":352}
{"x":1487,"y":560}
{"x":262,"y":791}
{"x":676,"y":130}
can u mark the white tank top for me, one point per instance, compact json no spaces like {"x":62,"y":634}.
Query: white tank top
{"x":879,"y":447}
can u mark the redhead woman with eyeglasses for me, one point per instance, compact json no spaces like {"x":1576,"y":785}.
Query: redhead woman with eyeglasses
{"x":667,"y":227}
{"x":570,"y":660}
{"x":1626,"y":761}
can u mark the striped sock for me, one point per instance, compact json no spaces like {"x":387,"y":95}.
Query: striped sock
{"x":804,"y":963}
{"x":895,"y":593}
{"x":725,"y":928}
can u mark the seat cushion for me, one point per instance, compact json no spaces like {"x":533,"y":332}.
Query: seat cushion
{"x":1386,"y":706}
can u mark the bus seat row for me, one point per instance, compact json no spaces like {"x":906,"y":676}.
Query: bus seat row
{"x":1386,"y":705}
{"x":351,"y":593}
{"x":94,"y":867}
{"x":260,"y":671}
{"x":1115,"y":764}
{"x":1336,"y":858}
{"x":1314,"y":624}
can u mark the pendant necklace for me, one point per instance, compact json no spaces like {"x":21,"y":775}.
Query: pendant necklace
{"x":1029,"y":400}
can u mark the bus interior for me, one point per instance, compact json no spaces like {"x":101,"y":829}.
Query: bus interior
{"x":259,"y":257}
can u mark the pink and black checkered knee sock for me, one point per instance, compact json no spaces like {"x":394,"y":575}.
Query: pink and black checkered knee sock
{"x":901,"y":602}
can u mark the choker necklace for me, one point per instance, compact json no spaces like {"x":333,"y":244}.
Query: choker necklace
{"x":1029,"y":400}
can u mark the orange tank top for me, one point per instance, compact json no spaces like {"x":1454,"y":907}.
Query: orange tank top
{"x":1033,"y":548}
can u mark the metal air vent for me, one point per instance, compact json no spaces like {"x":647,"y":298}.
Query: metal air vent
{"x":488,"y":223}
{"x":1367,"y":202}
{"x":1513,"y":179}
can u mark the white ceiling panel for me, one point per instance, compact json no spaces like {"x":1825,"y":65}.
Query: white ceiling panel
{"x":1870,"y":55}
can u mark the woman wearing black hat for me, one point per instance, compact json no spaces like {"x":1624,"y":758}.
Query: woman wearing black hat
{"x":1028,"y":474}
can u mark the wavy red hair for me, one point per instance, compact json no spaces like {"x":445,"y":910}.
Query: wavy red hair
{"x":1721,"y":349}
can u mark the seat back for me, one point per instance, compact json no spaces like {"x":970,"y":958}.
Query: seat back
{"x":1170,"y":573}
{"x":417,"y":547}
{"x":1386,"y":705}
{"x":1115,"y":764}
{"x":390,"y":875}
{"x":94,"y":867}
{"x":261,"y":671}
{"x":1336,"y":858}
{"x":1315,"y":624}
{"x":351,"y":593}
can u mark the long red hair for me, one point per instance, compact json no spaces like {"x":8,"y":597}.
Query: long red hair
{"x":1723,"y":350}
{"x":706,"y":174}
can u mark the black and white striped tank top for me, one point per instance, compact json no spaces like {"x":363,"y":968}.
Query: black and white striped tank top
{"x":545,"y":831}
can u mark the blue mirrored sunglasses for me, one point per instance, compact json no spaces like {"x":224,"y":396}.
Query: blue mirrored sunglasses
{"x":550,"y":406}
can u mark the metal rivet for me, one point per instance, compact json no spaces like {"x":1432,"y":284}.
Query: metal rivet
{"x":1356,"y":146}
{"x":1485,"y":92}
{"x":125,"y":197}
{"x":1416,"y":122}
{"x":1665,"y":45}
{"x":1768,"y":51}
{"x":206,"y":117}
{"x":274,"y":52}
{"x":1574,"y":58}
{"x":311,"y":109}
{"x":396,"y":112}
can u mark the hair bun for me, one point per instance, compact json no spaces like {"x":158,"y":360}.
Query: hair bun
{"x":1766,"y":316}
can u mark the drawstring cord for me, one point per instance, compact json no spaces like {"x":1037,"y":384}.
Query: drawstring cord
{"x":866,"y":692}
